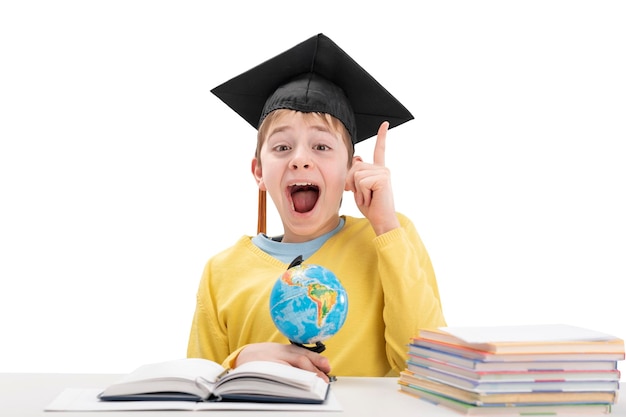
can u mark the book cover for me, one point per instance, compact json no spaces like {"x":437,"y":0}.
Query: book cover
{"x":507,"y":409}
{"x":542,"y":338}
{"x":422,"y":365}
{"x":484,"y":356}
{"x":522,"y":384}
{"x":485,"y":399}
{"x":86,"y":400}
{"x":527,"y":362}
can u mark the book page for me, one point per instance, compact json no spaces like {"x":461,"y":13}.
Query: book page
{"x":526,"y":333}
{"x":188,"y":368}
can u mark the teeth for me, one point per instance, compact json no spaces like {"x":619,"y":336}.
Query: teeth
{"x":301,"y":184}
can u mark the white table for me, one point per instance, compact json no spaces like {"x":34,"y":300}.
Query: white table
{"x":28,"y":395}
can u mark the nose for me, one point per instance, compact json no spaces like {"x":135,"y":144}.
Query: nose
{"x":301,"y":159}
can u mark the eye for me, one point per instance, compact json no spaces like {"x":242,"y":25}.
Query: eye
{"x":321,"y":147}
{"x":281,"y":148}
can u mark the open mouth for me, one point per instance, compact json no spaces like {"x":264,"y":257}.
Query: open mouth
{"x":304,"y":196}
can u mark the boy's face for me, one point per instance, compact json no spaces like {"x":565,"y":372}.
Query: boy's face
{"x":304,"y":169}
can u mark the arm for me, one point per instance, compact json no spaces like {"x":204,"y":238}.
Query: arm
{"x":207,"y":339}
{"x":230,"y":341}
{"x":411,"y":294}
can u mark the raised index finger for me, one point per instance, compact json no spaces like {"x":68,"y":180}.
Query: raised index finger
{"x":379,"y":149}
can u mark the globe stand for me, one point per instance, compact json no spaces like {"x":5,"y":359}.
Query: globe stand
{"x":296,"y":261}
{"x":318,"y":348}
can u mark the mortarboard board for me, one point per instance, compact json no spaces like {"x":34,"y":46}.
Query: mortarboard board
{"x":314,"y":76}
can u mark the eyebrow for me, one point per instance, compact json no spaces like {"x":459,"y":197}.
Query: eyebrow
{"x":278,"y":129}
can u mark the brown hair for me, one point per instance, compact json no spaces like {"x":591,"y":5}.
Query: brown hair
{"x":333,"y":123}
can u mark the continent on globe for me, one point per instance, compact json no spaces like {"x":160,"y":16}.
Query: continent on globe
{"x":324,"y":297}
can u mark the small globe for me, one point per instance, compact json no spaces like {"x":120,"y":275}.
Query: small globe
{"x":308,"y":304}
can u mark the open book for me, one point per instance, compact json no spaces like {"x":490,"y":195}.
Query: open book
{"x":197,"y":379}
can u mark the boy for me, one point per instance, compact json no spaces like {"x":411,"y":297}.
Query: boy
{"x":311,"y":104}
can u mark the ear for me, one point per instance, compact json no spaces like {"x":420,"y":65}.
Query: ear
{"x":257,"y":172}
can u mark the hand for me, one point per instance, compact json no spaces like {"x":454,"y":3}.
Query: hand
{"x":371,"y":184}
{"x":287,"y":354}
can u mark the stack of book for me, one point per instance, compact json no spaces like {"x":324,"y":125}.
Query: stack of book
{"x":515,"y":370}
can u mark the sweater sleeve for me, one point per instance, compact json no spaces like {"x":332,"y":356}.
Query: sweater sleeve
{"x":411,"y":294}
{"x":207,"y":339}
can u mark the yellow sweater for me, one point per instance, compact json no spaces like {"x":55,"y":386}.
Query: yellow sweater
{"x":389,"y":279}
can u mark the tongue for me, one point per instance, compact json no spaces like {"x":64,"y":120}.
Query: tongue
{"x":304,"y":201}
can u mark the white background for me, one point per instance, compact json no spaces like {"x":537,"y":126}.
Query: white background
{"x":121,"y":174}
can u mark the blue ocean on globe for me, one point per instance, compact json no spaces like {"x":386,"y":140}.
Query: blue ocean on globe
{"x":308,"y":304}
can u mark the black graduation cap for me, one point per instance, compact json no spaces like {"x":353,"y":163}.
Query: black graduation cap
{"x":314,"y":76}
